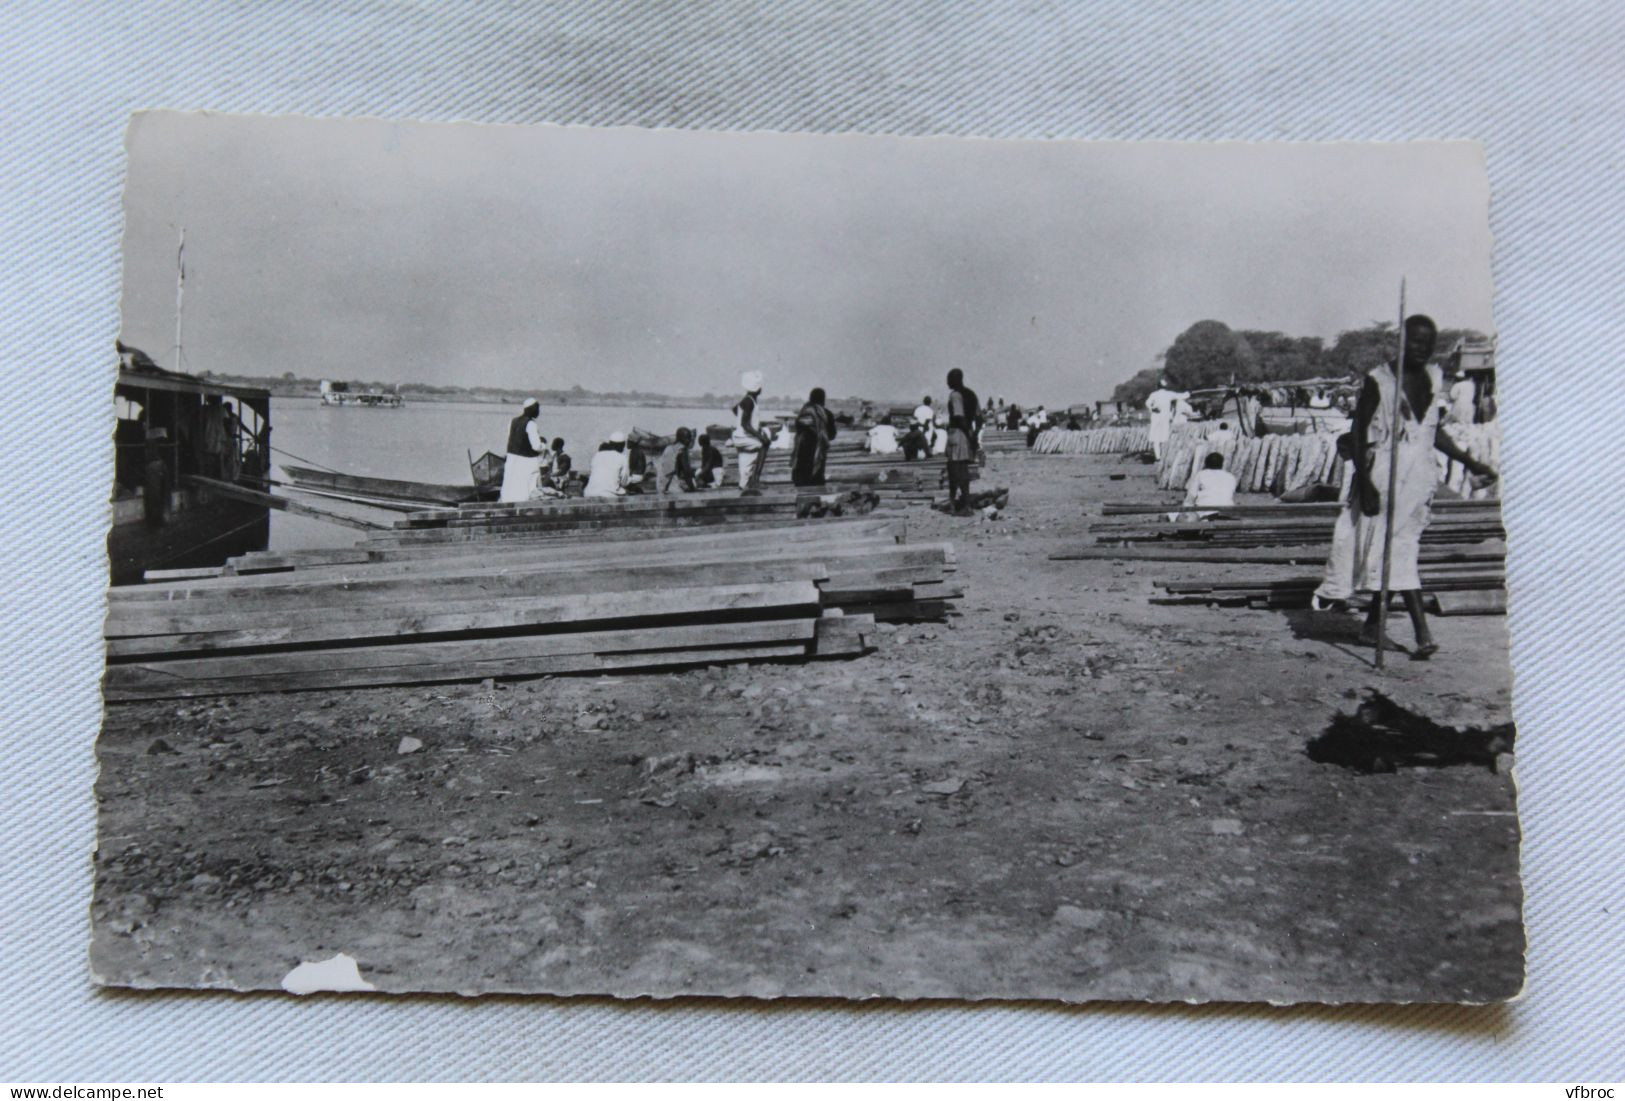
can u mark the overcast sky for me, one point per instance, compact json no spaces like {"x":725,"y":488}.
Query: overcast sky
{"x":544,"y":257}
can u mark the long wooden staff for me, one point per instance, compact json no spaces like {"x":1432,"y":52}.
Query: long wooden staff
{"x":1393,"y":481}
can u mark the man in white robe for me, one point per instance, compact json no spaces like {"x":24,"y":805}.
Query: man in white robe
{"x":522,"y":466}
{"x":1161,"y":404}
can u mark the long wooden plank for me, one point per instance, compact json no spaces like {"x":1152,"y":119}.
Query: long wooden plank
{"x":452,"y":651}
{"x":702,"y":566}
{"x":577,"y":528}
{"x":185,"y":573}
{"x":182,"y":632}
{"x":328,"y":598}
{"x":254,"y":496}
{"x":1315,"y":509}
{"x":1437,"y":577}
{"x":772,"y":528}
{"x":607,"y":542}
{"x":1471,"y":602}
{"x":1303,"y":555}
{"x":563,"y":665}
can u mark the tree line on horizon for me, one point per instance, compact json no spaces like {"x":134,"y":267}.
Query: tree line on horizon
{"x":1210,"y":354}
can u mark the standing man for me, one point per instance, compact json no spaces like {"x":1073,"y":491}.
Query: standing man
{"x":964,"y":423}
{"x":750,"y":439}
{"x":814,"y":428}
{"x":1357,"y":543}
{"x":926,"y":418}
{"x":522,"y":467}
{"x":1161,"y":405}
{"x":1463,"y":399}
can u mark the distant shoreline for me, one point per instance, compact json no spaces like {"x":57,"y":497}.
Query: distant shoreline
{"x":305,"y":388}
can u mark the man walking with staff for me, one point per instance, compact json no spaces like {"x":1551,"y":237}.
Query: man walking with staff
{"x":1377,"y":541}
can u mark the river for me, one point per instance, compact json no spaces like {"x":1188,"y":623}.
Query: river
{"x":430,"y":442}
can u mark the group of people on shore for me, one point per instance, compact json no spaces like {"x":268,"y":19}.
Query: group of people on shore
{"x":535,"y":468}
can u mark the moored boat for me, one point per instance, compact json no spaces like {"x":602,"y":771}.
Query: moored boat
{"x":172,"y":428}
{"x":384,"y":489}
{"x":340,"y":394}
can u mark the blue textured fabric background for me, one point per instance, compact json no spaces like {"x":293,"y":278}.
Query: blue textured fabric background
{"x":1540,"y":83}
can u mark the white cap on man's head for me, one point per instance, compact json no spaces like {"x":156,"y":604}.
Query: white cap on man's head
{"x":751,"y":381}
{"x":530,"y":403}
{"x":617,"y":437}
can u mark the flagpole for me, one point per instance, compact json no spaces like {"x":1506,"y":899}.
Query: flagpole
{"x":1393,"y":481}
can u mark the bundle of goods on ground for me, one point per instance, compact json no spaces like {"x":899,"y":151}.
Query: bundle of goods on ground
{"x":1463,"y":556}
{"x":1125,"y":439}
{"x":371,"y":616}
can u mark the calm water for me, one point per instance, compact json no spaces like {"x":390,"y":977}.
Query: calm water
{"x":430,"y":442}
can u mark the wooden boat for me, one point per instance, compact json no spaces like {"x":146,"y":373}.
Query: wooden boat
{"x":162,"y":519}
{"x":382,"y":489}
{"x":487,"y":471}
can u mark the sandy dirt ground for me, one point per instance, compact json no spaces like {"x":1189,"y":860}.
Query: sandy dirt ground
{"x":1064,"y":792}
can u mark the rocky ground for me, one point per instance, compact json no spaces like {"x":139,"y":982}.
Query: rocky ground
{"x":1064,"y":792}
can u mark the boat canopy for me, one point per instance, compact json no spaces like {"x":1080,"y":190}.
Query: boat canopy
{"x":156,"y":378}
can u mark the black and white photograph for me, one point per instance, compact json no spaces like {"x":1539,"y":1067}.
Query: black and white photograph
{"x":610,"y":561}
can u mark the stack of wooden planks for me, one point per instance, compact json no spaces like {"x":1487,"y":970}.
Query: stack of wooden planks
{"x":892,"y":477}
{"x":584,"y":515}
{"x":1284,"y":525}
{"x":1463,"y":557}
{"x":1125,"y":439}
{"x":1004,"y":441}
{"x":1262,"y":464}
{"x":390,"y":615}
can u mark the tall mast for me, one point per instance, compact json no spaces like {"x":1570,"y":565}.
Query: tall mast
{"x":180,"y":294}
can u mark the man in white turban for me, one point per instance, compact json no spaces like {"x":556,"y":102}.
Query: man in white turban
{"x":522,"y":467}
{"x":609,"y":473}
{"x":749,"y":438}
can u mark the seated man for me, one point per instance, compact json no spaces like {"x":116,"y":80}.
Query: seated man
{"x":609,"y":475}
{"x":883,"y":439}
{"x":712,"y":464}
{"x":673,"y":465}
{"x":555,"y":472}
{"x":1213,"y":487}
{"x":915,"y":444}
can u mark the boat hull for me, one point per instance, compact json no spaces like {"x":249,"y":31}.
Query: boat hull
{"x":383,"y":488}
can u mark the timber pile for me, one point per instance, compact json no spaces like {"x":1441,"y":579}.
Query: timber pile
{"x":891,"y":476}
{"x":580,"y":516}
{"x":1003,"y":440}
{"x":1124,"y":439}
{"x":1262,"y":464}
{"x":323,"y":619}
{"x":1452,"y":590}
{"x":1463,"y":557}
